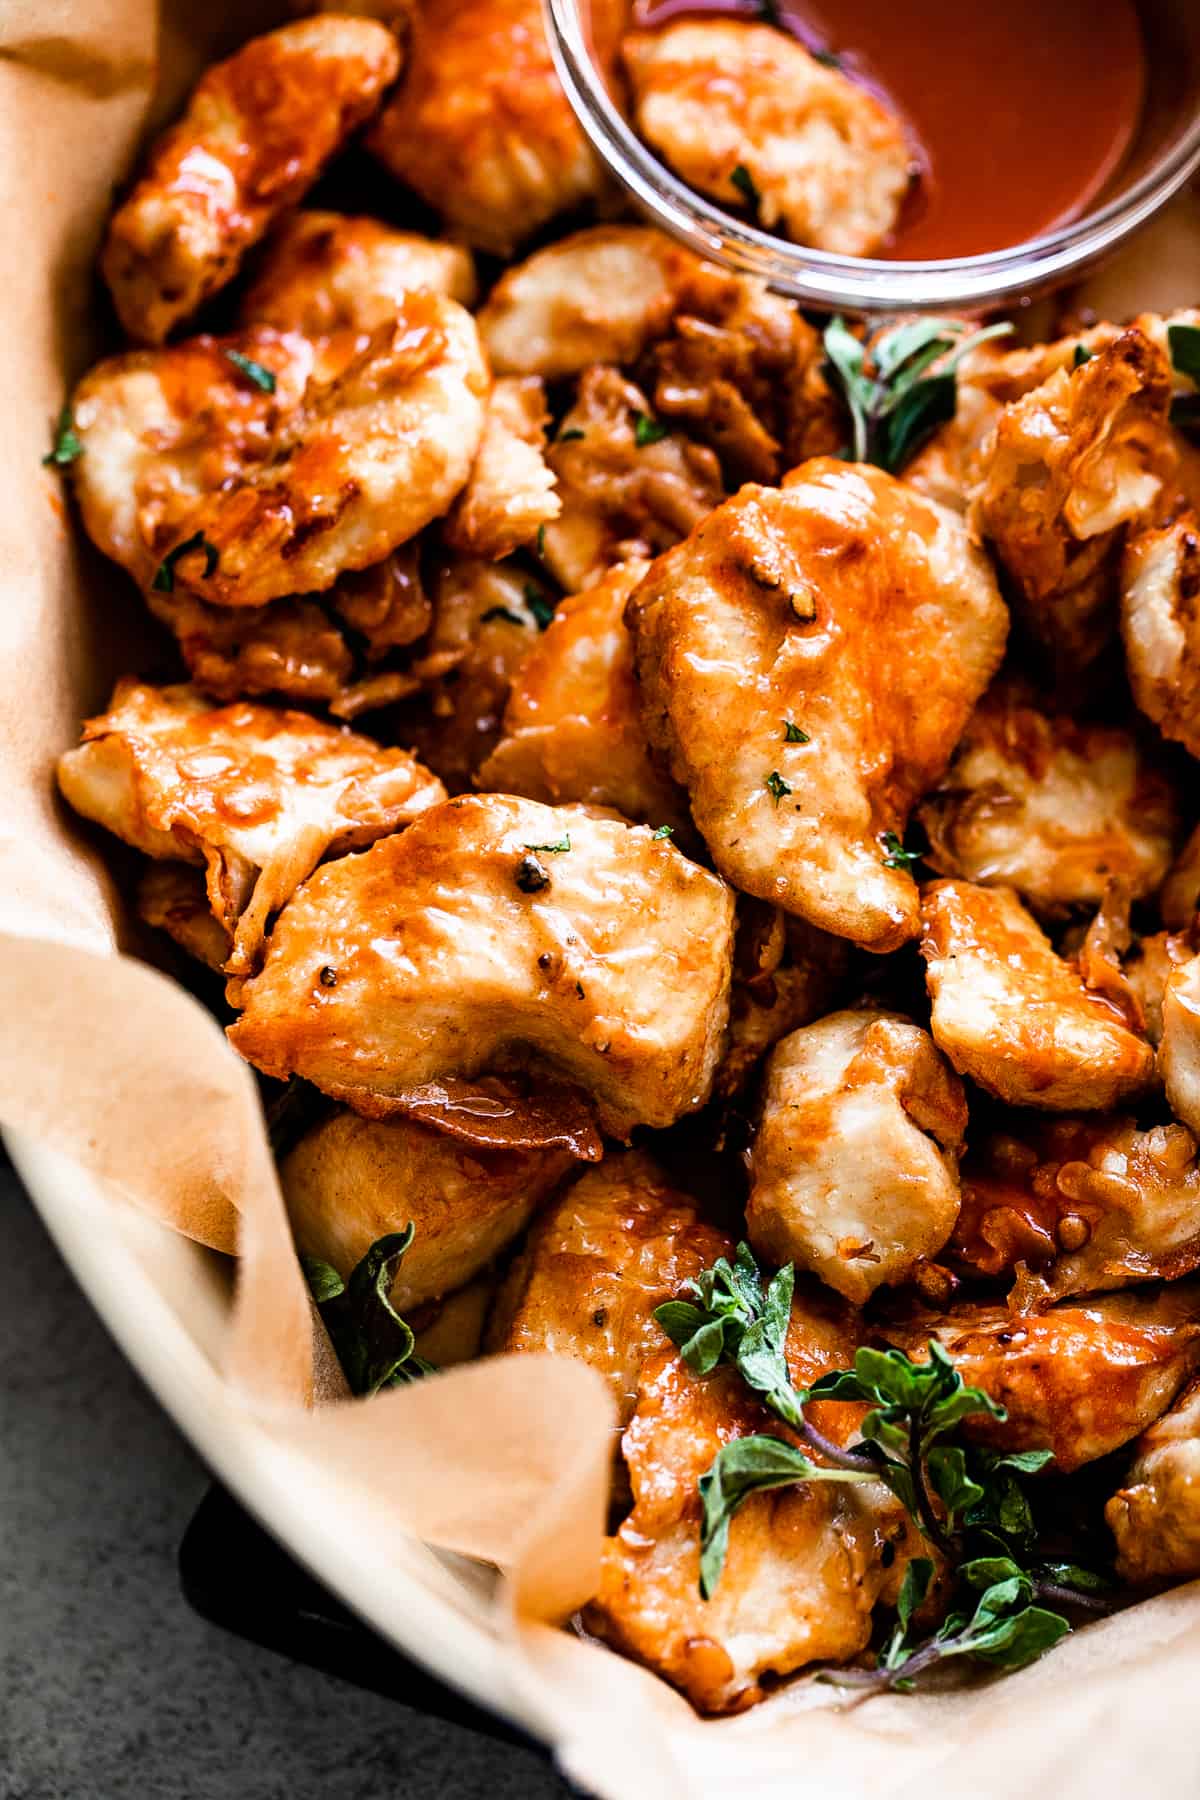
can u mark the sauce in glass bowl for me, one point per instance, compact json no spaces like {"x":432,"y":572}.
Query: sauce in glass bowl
{"x":1019,"y":115}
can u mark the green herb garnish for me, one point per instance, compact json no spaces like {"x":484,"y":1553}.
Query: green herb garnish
{"x":541,"y":608}
{"x":792,"y":733}
{"x":904,"y":388}
{"x":895,"y":855}
{"x":566,"y":437}
{"x":262,"y":378}
{"x":500,"y":612}
{"x":968,"y":1503}
{"x":559,"y":849}
{"x":373,"y":1343}
{"x":664,"y":831}
{"x":68,"y":445}
{"x":776,"y":786}
{"x":1184,"y":344}
{"x":164,"y":579}
{"x":541,"y":540}
{"x":647,"y":430}
{"x":1082,"y":355}
{"x":828,"y":59}
{"x":743,"y":181}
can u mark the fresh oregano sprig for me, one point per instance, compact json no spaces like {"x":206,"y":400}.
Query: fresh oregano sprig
{"x":901,"y":385}
{"x":967,"y":1502}
{"x":374,"y":1345}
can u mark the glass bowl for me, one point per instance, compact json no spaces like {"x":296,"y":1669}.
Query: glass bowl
{"x":1165,"y":153}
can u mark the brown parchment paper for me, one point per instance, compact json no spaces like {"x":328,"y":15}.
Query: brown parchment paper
{"x":105,"y":1059}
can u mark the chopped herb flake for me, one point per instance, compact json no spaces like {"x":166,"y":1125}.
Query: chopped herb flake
{"x":1082,"y":355}
{"x":500,"y":612}
{"x":743,"y":181}
{"x":647,"y":430}
{"x":895,"y":855}
{"x":538,"y":604}
{"x":262,"y":378}
{"x":164,"y":580}
{"x":68,"y":445}
{"x":792,"y":733}
{"x":568,"y":436}
{"x":776,"y":786}
{"x":559,"y":849}
{"x":665,"y":831}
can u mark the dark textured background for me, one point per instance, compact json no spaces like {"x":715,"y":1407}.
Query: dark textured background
{"x":110,"y":1687}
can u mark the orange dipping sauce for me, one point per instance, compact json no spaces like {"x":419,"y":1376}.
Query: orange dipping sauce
{"x":1019,"y":113}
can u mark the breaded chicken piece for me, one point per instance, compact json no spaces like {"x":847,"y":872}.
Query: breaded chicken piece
{"x":1055,"y":809}
{"x":350,"y":1181}
{"x":1179,"y":897}
{"x":826,"y":161}
{"x":291,"y":649}
{"x":597,"y":1262}
{"x":1081,"y":1379}
{"x":596,"y":296}
{"x":173,"y":897}
{"x":484,"y":627}
{"x":808,"y":659}
{"x":1066,"y":470}
{"x":1146,"y":970}
{"x":480,"y":127}
{"x":1013,"y":1015}
{"x":1179,"y":1049}
{"x":322,"y":272}
{"x":1084,"y":1204}
{"x":572,"y":727}
{"x":257,"y":132}
{"x":255,"y":795}
{"x":628,"y":486}
{"x":805,"y":1567}
{"x":1160,"y":625}
{"x":195,"y":477}
{"x":988,"y":378}
{"x":1155,"y":1514}
{"x":854,"y":1168}
{"x":737,"y":365}
{"x":785,"y":974}
{"x":509,"y":494}
{"x":504,"y":934}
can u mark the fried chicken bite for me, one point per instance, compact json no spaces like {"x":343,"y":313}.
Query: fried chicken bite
{"x":1179,"y":1048}
{"x":509,"y":496}
{"x":1056,"y":809}
{"x":258,"y":130}
{"x":1155,"y":1515}
{"x":619,"y":1242}
{"x":1079,"y":1205}
{"x":1066,"y":470}
{"x":1013,"y":1015}
{"x":504,"y":935}
{"x":572,"y":727}
{"x":173,"y":897}
{"x":854,"y":1168}
{"x":480,"y":127}
{"x":322,"y":272}
{"x":290,"y":649}
{"x":785,"y":974}
{"x":819,"y":157}
{"x":1160,"y":625}
{"x":805,"y":1567}
{"x":1081,"y":1379}
{"x":736,"y":365}
{"x":808,"y":659}
{"x":596,"y":296}
{"x":484,"y":627}
{"x":350,"y":1181}
{"x":254,"y":795}
{"x":628,"y":487}
{"x":246,"y":469}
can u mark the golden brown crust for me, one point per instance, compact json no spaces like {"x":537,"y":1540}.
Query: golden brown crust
{"x":258,"y":129}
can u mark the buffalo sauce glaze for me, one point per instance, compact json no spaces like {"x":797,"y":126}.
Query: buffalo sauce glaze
{"x":1018,"y":114}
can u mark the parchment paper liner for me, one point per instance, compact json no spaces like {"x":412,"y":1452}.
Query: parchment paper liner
{"x":109,"y":1062}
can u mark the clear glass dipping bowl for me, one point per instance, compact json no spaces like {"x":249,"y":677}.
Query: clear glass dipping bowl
{"x":1165,"y":153}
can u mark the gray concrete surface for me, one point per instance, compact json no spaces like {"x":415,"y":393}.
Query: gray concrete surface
{"x":110,"y":1687}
